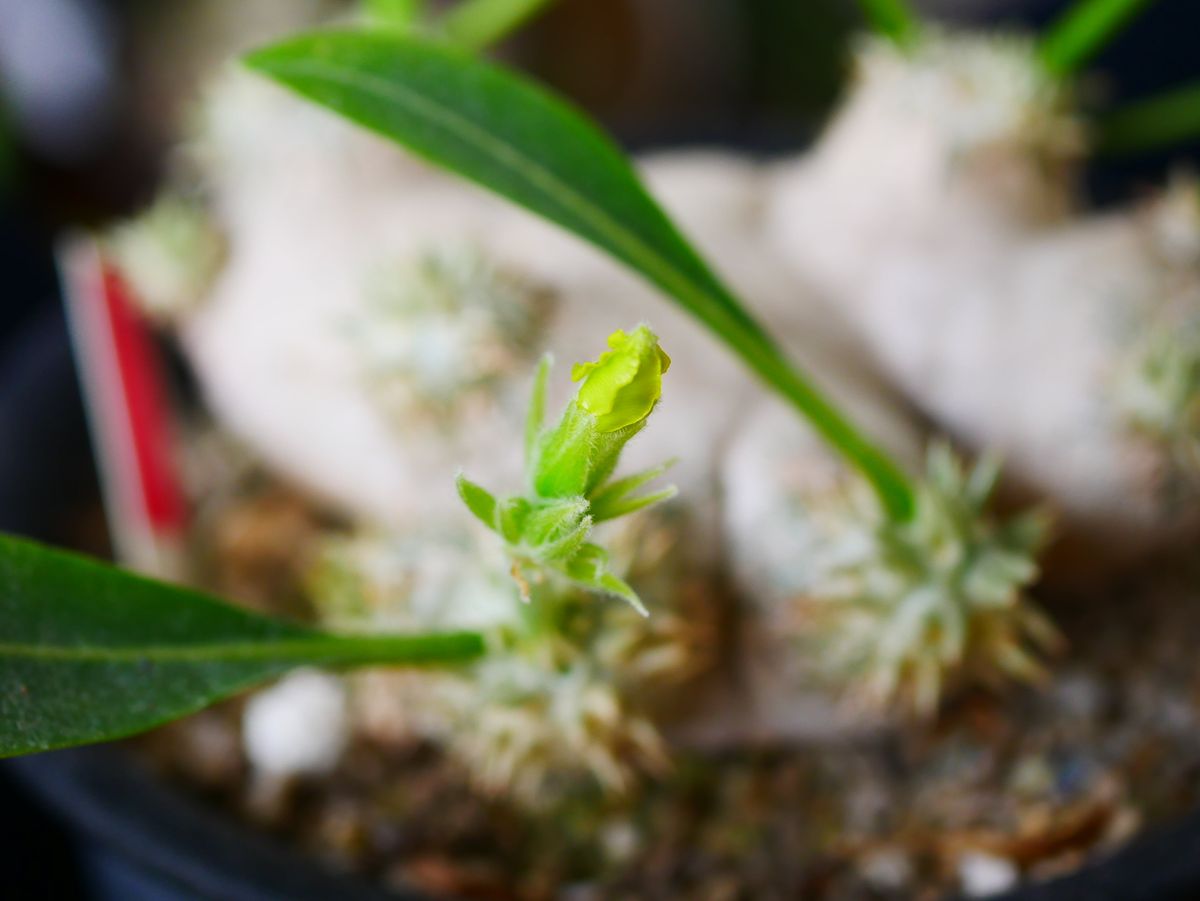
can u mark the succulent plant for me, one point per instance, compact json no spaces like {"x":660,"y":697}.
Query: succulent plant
{"x":170,"y":255}
{"x":435,"y":333}
{"x":888,"y":613}
{"x":903,"y":611}
{"x":982,"y":93}
{"x":571,"y":686}
{"x":1158,"y":388}
{"x":545,"y":708}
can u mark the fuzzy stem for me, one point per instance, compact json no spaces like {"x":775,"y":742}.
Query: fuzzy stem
{"x":1170,"y":118}
{"x":892,"y":18}
{"x":476,"y":24}
{"x":1083,"y":31}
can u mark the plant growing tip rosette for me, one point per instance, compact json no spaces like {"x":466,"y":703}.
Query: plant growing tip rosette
{"x":569,"y":469}
{"x":891,"y":615}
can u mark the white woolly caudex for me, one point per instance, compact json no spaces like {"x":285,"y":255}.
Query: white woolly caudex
{"x":931,"y":217}
{"x":891,"y":614}
{"x":440,"y":332}
{"x":1073,"y":356}
{"x":941,"y":147}
{"x":574,"y":687}
{"x":578,"y":687}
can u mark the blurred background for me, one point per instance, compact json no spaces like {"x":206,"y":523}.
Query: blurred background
{"x":92,"y":93}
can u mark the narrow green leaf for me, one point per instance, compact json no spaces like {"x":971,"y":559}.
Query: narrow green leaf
{"x":505,"y":133}
{"x":90,"y":653}
{"x":589,"y":568}
{"x":1083,"y":31}
{"x":892,"y":18}
{"x":620,"y":488}
{"x":537,"y":409}
{"x":614,"y":508}
{"x":478,"y":500}
{"x":476,"y":24}
{"x":1153,"y":124}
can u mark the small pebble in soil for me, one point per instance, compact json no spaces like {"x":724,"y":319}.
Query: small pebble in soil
{"x":297,"y":726}
{"x":984,"y":875}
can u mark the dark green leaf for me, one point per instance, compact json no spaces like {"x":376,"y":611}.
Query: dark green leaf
{"x":89,"y":652}
{"x":1083,"y":31}
{"x":613,"y":498}
{"x":505,"y":133}
{"x":892,"y":18}
{"x":1152,"y":124}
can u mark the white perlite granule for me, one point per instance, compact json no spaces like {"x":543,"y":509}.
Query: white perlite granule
{"x":296,"y":727}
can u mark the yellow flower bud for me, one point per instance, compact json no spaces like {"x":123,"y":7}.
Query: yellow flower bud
{"x":622,"y":387}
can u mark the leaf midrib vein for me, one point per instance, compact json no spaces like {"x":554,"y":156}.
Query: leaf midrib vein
{"x":522,"y":165}
{"x":459,"y":646}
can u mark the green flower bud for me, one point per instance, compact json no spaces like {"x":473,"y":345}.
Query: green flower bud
{"x":569,"y":469}
{"x":622,"y":387}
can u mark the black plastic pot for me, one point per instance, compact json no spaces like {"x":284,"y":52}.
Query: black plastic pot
{"x":136,"y":839}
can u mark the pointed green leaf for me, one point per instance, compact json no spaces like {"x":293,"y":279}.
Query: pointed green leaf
{"x":620,"y":588}
{"x":590,"y":568}
{"x":537,"y":409}
{"x":90,"y":653}
{"x":1083,"y":31}
{"x":620,"y":488}
{"x":1152,"y":124}
{"x":615,"y":508}
{"x":478,"y":500}
{"x":512,"y":137}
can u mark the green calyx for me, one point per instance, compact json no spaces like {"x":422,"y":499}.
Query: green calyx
{"x":569,"y":470}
